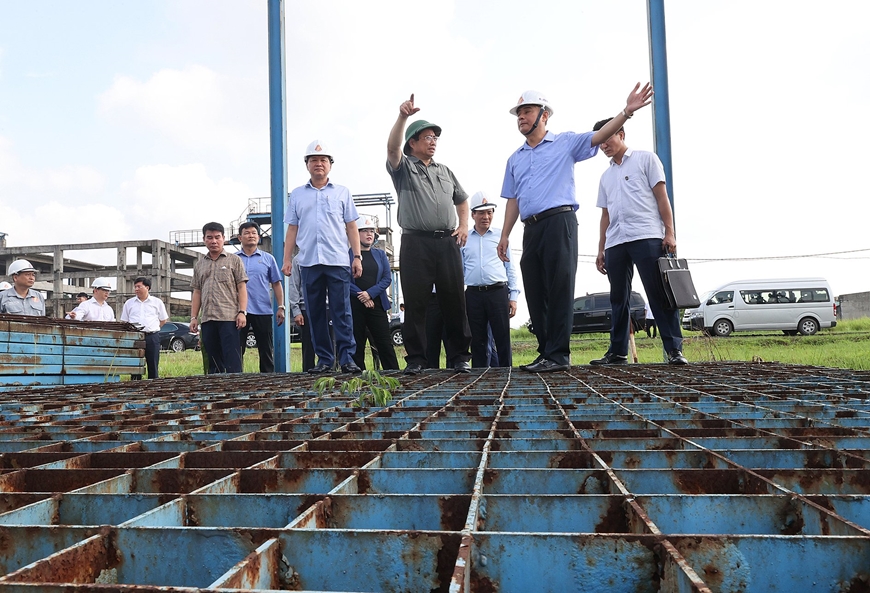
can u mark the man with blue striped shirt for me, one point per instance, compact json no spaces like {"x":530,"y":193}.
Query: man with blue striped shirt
{"x":321,"y":218}
{"x":539,"y":187}
{"x":491,"y":286}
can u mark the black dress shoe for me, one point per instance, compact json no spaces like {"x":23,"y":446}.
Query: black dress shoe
{"x":320,"y":369}
{"x":676,"y":357}
{"x":351,"y":367}
{"x":413,"y":369}
{"x":525,"y":367}
{"x":610,"y":358}
{"x":463,"y":366}
{"x":546,"y":366}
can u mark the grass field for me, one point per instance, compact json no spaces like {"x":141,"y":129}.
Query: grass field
{"x":845,"y":346}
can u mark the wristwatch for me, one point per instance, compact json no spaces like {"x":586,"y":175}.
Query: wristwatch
{"x":357,"y":256}
{"x":245,"y":313}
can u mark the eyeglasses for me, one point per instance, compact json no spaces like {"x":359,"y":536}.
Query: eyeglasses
{"x":430,"y":138}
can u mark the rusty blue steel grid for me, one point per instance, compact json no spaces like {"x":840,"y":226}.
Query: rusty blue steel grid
{"x":713,"y":477}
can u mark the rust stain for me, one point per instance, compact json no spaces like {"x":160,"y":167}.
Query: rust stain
{"x":454,"y":510}
{"x":614,"y":519}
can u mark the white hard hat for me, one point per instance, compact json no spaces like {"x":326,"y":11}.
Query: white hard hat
{"x":480,"y":201}
{"x":20,"y":265}
{"x":367,"y":222}
{"x":5,"y":285}
{"x":532,"y":98}
{"x":318,"y":148}
{"x":101,"y":283}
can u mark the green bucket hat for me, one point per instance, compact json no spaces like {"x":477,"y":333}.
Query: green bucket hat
{"x":416,"y":127}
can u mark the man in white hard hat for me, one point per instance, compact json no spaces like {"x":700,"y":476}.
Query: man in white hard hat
{"x":263,"y":273}
{"x":636,"y":229}
{"x":20,"y":298}
{"x":433,"y":214}
{"x":491,"y":286}
{"x":321,"y":219}
{"x":368,"y":300}
{"x":220,"y":294}
{"x":96,"y":308}
{"x":539,"y":186}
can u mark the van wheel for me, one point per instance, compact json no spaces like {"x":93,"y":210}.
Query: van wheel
{"x":808,"y":326}
{"x":723,"y":328}
{"x":790,"y":332}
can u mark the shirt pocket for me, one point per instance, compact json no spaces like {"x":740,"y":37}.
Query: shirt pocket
{"x":446,"y":185}
{"x":14,"y":307}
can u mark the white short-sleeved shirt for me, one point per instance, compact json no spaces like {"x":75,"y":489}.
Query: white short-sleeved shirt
{"x":91,"y":310}
{"x":626,"y":191}
{"x":148,"y":313}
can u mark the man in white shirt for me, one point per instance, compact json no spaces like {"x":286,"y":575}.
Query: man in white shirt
{"x":149,"y":313}
{"x":96,"y":308}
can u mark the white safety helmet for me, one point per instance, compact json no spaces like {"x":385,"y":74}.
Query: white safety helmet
{"x":318,"y":148}
{"x":367,"y":222}
{"x":101,"y":283}
{"x":20,"y":265}
{"x":5,"y":285}
{"x":533,"y":98}
{"x":481,"y":201}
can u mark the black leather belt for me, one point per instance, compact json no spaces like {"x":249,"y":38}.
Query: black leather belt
{"x":432,"y":234}
{"x":495,"y":286}
{"x":547,"y":214}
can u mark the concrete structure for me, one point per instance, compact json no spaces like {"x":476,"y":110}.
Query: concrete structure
{"x":853,"y":306}
{"x":61,"y":277}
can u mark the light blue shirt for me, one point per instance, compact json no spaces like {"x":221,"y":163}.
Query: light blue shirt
{"x":262,"y":272}
{"x":542,"y":177}
{"x":626,"y":191}
{"x":322,"y":216}
{"x":481,"y":264}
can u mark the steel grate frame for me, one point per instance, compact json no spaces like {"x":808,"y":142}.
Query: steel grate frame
{"x":712,"y":477}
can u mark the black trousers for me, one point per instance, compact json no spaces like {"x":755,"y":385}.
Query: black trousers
{"x":489,"y":308}
{"x":152,"y":356}
{"x":375,"y":321}
{"x":221,"y":340}
{"x":549,"y":266}
{"x":620,"y":261}
{"x":307,"y":346}
{"x":261,"y":325}
{"x":426,"y":261}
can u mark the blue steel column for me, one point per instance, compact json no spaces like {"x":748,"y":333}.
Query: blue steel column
{"x":658,"y":57}
{"x":278,"y":161}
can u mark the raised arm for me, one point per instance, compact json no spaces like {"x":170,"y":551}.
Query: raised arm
{"x":636,"y":100}
{"x":394,"y":143}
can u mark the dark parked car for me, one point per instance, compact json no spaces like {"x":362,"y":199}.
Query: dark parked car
{"x":251,"y":339}
{"x":592,"y":313}
{"x":177,"y":337}
{"x":396,"y":330}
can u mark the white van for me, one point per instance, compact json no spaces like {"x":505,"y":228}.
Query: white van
{"x":793,"y":305}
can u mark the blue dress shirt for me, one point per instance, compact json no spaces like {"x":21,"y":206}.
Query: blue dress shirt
{"x":322,"y":216}
{"x":481,"y":264}
{"x":262,"y":272}
{"x":542,"y":177}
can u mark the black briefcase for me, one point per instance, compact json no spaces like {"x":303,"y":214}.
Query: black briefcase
{"x":677,"y":279}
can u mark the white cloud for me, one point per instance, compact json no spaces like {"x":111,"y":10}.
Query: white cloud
{"x":161,"y":198}
{"x":18,"y":177}
{"x":197,"y":108}
{"x":74,"y":223}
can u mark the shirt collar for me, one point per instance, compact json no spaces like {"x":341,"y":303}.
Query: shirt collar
{"x":328,"y":184}
{"x":256,"y":252}
{"x":548,"y":137}
{"x":474,"y":230}
{"x":415,"y":160}
{"x":624,"y":156}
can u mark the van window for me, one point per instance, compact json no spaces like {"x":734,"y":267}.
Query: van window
{"x":720,"y":298}
{"x":789,"y":295}
{"x":602,"y":302}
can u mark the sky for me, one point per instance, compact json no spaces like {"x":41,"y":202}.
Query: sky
{"x":128,"y":120}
